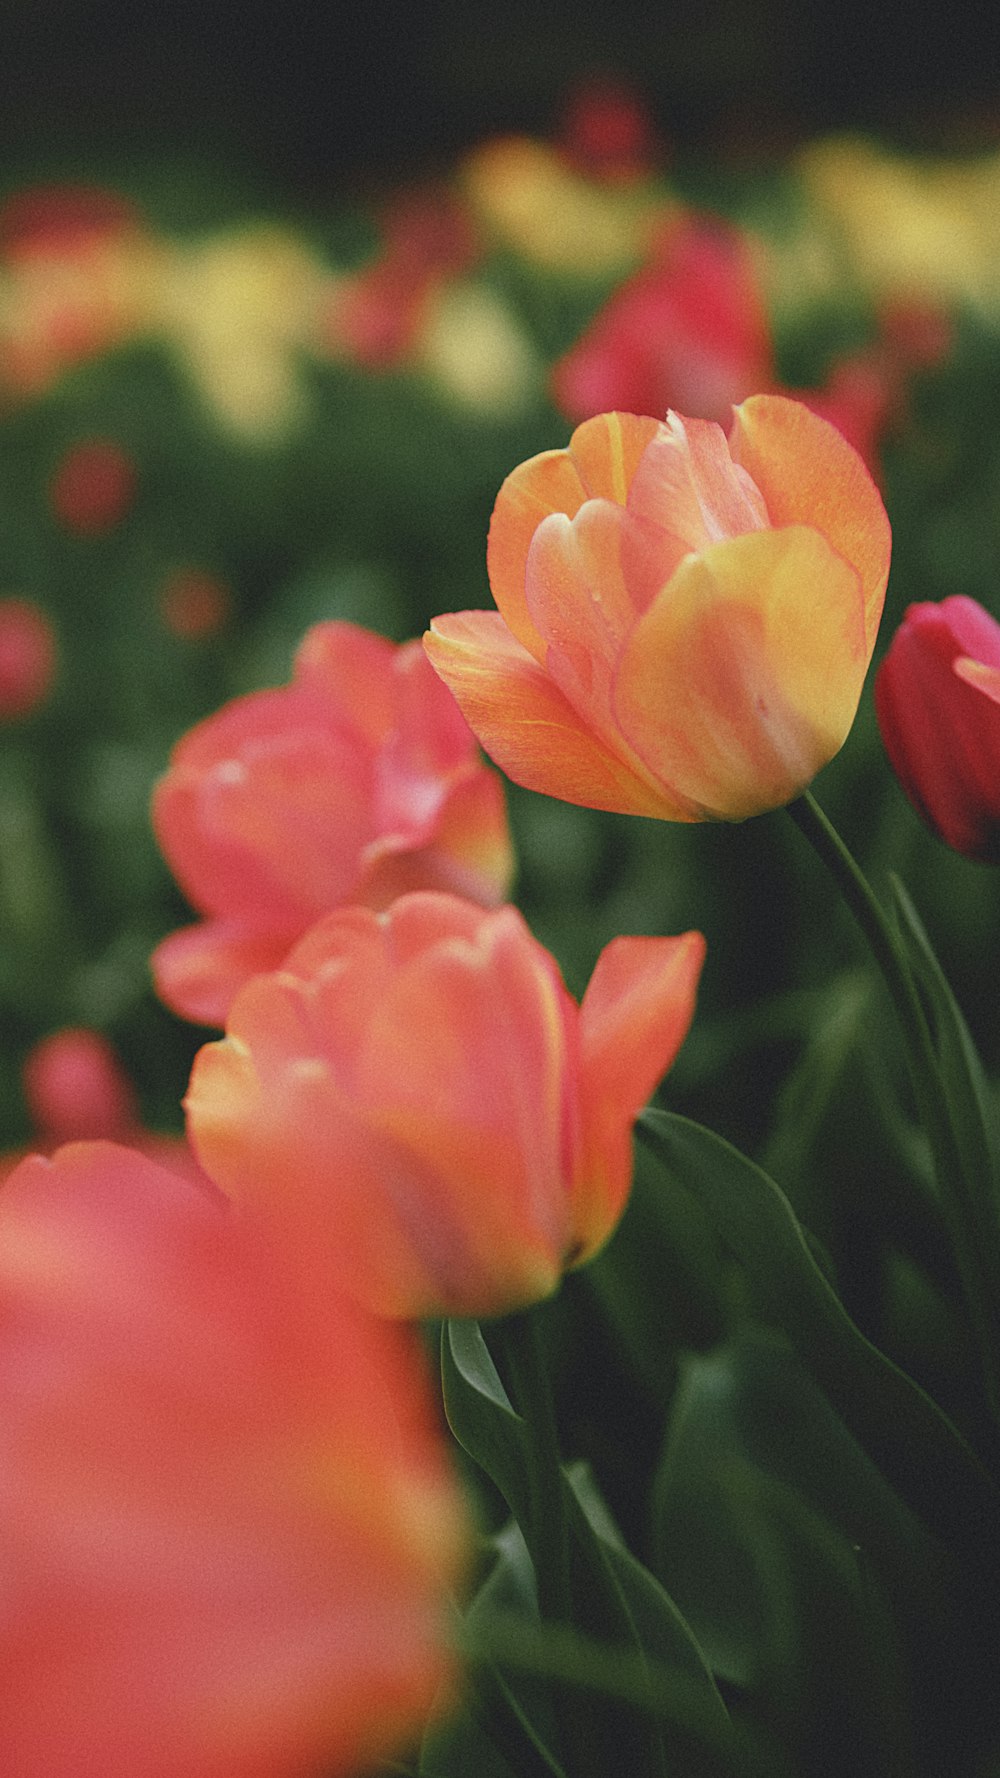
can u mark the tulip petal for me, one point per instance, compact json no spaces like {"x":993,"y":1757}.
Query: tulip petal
{"x":743,"y":677}
{"x":351,"y":670}
{"x":286,"y":1143}
{"x":479,"y":1109}
{"x":198,"y":970}
{"x":977,"y":673}
{"x":527,"y":724}
{"x":809,"y":475}
{"x":689,"y":489}
{"x":599,"y":464}
{"x":634,"y":1016}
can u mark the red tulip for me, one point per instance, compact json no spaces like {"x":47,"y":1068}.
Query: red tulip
{"x":937,"y":696}
{"x":685,"y":621}
{"x":27,"y":658}
{"x":227,"y":1526}
{"x":688,"y":331}
{"x":357,"y":781}
{"x":420,"y":1092}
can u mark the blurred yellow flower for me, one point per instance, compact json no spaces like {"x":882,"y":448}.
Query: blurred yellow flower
{"x":476,"y":350}
{"x":913,"y":227}
{"x":530,"y":200}
{"x":238,"y":307}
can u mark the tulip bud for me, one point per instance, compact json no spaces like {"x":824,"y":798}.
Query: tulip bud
{"x":937,"y":697}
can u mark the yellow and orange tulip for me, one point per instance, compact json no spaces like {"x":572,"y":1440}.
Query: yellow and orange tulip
{"x":684,"y":621}
{"x":420,"y":1094}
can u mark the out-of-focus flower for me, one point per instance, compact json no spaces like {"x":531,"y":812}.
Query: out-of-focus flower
{"x":77,"y":269}
{"x":76,"y":1089}
{"x":227,"y":1525}
{"x":684,"y":623}
{"x":93,"y":487}
{"x":689,"y":331}
{"x":912,"y":227}
{"x":477,"y":353}
{"x":937,"y":697}
{"x":194,"y":604}
{"x":239,"y":309}
{"x":529,"y":199}
{"x":357,"y":781}
{"x":606,"y":132}
{"x":378,"y":316}
{"x":27,"y":658}
{"x":418,"y":1093}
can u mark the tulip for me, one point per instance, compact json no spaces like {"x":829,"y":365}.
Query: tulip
{"x":684,"y":622}
{"x":93,"y":487}
{"x":689,"y":330}
{"x":357,"y":781}
{"x":937,"y":698}
{"x":420,"y":1093}
{"x":227,"y":1525}
{"x":28,"y":655}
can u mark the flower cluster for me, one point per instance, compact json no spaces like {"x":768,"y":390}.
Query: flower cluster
{"x":220,"y":1443}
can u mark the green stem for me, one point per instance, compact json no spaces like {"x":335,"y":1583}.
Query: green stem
{"x":974,"y":1246}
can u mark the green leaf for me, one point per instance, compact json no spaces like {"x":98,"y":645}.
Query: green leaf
{"x":615,"y":1599}
{"x":909,"y":1438}
{"x":965,"y":1084}
{"x":786,"y":1602}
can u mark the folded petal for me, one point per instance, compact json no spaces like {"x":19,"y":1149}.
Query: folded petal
{"x":809,"y":475}
{"x":743,"y":677}
{"x":599,"y":464}
{"x":199,"y":970}
{"x":528,"y":725}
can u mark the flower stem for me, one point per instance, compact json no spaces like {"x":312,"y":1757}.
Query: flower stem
{"x":971,"y":1231}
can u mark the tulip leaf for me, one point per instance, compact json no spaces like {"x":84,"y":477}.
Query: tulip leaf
{"x":909,"y":1438}
{"x":962,"y":1071}
{"x":615,"y":1599}
{"x":758,"y":1516}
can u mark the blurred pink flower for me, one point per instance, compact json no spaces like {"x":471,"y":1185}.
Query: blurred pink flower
{"x":227,"y":1522}
{"x":27,"y":658}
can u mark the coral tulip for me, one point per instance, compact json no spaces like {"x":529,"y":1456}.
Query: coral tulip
{"x":937,"y":697}
{"x":357,"y":781}
{"x":419,"y":1090}
{"x":685,"y":622}
{"x":227,"y":1523}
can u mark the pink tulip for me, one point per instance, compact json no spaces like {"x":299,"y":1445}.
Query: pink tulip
{"x":354,"y":783}
{"x":27,"y":658}
{"x":937,"y":697}
{"x":227,"y":1525}
{"x":421,"y":1094}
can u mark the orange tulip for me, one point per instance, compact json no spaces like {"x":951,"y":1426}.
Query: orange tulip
{"x":356,"y":782}
{"x":421,"y":1093}
{"x":684,"y":622}
{"x":227,"y":1524}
